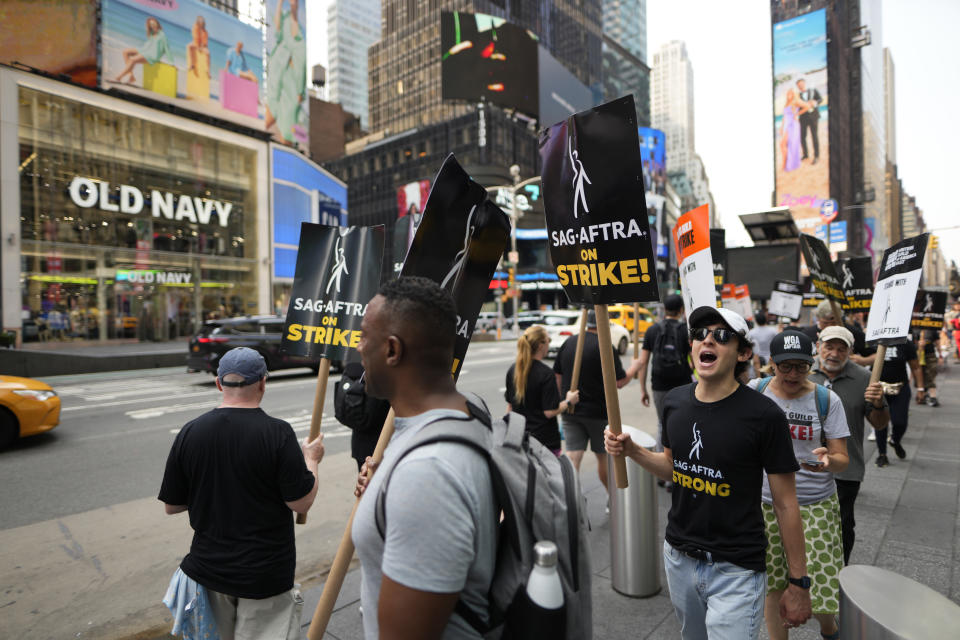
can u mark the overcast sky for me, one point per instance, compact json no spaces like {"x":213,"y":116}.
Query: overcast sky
{"x":729,"y":47}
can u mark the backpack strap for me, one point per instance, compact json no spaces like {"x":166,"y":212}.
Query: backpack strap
{"x":433,"y":432}
{"x":763,"y":384}
{"x":822,"y":395}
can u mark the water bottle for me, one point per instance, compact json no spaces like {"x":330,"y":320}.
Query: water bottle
{"x":543,"y":585}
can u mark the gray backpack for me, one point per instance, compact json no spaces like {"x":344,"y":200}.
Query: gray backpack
{"x":540,"y":496}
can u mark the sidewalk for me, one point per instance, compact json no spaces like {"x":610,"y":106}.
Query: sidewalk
{"x":907,"y":522}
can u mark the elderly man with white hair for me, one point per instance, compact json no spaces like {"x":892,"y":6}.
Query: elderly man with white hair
{"x":834,"y":369}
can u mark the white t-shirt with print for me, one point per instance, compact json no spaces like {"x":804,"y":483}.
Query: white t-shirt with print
{"x":804,"y":421}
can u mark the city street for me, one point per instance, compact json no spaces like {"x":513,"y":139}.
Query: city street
{"x":85,"y":548}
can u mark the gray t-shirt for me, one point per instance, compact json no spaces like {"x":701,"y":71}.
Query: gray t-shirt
{"x":804,"y":421}
{"x":761,"y":336}
{"x":441,"y":524}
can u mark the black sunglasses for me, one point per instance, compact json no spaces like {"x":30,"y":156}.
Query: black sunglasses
{"x":799,"y":367}
{"x":722,"y":336}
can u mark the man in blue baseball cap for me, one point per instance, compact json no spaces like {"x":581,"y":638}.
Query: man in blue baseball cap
{"x":241,"y":474}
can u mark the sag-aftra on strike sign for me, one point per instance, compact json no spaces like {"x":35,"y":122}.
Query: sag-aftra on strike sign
{"x":593,"y":193}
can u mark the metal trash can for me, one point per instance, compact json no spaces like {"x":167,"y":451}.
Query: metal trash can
{"x":634,"y":553}
{"x":879,"y":604}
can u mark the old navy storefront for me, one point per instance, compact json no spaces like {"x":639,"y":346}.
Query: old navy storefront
{"x":133,"y":223}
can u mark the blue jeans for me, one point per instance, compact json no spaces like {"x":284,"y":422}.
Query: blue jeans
{"x":714,"y":599}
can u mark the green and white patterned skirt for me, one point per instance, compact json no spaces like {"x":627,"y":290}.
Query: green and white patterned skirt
{"x":821,"y":529}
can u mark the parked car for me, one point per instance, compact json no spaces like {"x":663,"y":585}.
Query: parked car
{"x":623,"y":314}
{"x":527,"y":318}
{"x":487,"y":321}
{"x":261,"y":333}
{"x":562,"y":324}
{"x":27,"y":407}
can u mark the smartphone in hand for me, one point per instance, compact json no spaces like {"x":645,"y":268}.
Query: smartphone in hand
{"x":810,"y":462}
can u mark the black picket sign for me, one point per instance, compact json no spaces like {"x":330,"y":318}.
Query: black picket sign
{"x":337,"y":273}
{"x":718,"y":251}
{"x":824,"y":276}
{"x":599,"y":235}
{"x":856,"y":280}
{"x":459,"y":242}
{"x":929,"y":308}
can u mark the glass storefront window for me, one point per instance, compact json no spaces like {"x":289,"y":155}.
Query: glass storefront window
{"x":131,"y":229}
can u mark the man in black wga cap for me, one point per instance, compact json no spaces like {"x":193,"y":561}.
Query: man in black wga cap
{"x":240,"y":474}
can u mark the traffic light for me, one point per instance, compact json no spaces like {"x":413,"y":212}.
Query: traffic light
{"x":510,"y":278}
{"x":934,"y":242}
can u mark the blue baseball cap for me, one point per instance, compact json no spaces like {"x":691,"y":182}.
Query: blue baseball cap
{"x":242,"y":361}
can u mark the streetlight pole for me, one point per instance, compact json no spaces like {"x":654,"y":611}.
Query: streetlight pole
{"x":517,"y":185}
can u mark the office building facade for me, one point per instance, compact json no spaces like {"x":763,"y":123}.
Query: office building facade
{"x":352,"y":26}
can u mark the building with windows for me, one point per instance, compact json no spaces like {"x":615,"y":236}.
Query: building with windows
{"x":125,"y":221}
{"x":624,"y":49}
{"x":352,"y":26}
{"x":671,"y":110}
{"x":404,"y":66}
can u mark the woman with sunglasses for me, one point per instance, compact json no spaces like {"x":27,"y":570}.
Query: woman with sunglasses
{"x":818,"y":427}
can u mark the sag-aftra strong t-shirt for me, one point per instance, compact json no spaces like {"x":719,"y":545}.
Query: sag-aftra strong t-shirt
{"x":720,"y":450}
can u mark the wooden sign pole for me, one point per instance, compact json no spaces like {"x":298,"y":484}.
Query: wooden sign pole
{"x":610,"y":389}
{"x":341,"y":562}
{"x":578,"y":356}
{"x":878,"y":363}
{"x":319,"y":397}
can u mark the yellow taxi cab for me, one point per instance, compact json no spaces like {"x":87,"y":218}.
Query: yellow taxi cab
{"x":27,"y":407}
{"x":623,"y":314}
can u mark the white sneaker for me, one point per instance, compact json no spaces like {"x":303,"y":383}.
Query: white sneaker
{"x":873,"y":436}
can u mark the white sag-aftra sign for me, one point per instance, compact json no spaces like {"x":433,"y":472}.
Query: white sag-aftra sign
{"x":892,"y":307}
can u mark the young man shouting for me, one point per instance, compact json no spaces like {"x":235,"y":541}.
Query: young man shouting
{"x":718,"y":439}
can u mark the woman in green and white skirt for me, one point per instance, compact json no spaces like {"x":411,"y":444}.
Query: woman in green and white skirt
{"x":819,"y":430}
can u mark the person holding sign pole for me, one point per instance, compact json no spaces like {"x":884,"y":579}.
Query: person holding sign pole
{"x":438,"y":543}
{"x":586,"y":423}
{"x":239,"y":473}
{"x":531,"y":389}
{"x":862,"y":401}
{"x":896,"y":386}
{"x":719,"y":437}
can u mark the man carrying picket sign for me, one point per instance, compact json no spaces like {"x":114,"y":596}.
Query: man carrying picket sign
{"x":719,"y":437}
{"x":862,"y":401}
{"x":439,"y":541}
{"x":667,"y":344}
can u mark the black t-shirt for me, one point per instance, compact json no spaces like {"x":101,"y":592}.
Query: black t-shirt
{"x":540,"y":395}
{"x":592,"y":402}
{"x":895,"y":362}
{"x":658,"y":380}
{"x":720,"y":451}
{"x":235,"y":469}
{"x":931,"y":338}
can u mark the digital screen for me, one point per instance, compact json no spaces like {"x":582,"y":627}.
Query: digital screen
{"x":800,"y":105}
{"x":486,"y":57}
{"x":186,"y":53}
{"x":779,"y":262}
{"x":561,"y":93}
{"x":54,"y":36}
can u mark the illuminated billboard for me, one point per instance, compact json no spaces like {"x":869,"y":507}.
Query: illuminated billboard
{"x":288,"y":105}
{"x":561,"y":93}
{"x":800,"y":104}
{"x":653,"y":154}
{"x":485,"y":57}
{"x":185,"y":53}
{"x":51,"y":35}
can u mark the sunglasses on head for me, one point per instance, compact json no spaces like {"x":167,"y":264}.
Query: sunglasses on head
{"x":722,"y":336}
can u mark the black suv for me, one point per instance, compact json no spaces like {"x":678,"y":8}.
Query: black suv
{"x":262,"y":333}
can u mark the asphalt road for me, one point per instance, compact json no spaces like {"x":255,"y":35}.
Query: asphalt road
{"x":85,"y":549}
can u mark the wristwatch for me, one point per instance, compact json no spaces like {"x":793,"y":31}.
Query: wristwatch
{"x":803,"y":583}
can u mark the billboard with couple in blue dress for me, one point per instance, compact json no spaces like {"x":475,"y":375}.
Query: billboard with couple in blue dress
{"x":800,"y":105}
{"x":186,"y":53}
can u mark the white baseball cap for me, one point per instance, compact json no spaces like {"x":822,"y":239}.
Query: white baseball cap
{"x":836,"y":333}
{"x":708,"y":315}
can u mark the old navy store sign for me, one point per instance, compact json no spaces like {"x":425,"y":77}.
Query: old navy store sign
{"x":89,"y":193}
